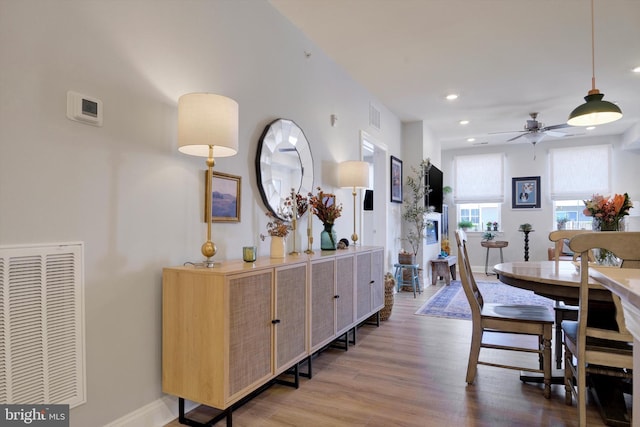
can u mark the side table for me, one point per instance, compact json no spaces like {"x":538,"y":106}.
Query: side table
{"x":445,"y":268}
{"x":499,"y":244}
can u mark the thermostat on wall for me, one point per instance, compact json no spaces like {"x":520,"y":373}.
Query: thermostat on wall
{"x":85,"y":109}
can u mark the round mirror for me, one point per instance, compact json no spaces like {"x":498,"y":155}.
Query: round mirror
{"x":283,"y":163}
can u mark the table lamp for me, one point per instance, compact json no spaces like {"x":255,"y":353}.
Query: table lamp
{"x":208,"y":127}
{"x":353,"y":174}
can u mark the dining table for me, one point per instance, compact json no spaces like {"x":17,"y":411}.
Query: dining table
{"x":560,"y":281}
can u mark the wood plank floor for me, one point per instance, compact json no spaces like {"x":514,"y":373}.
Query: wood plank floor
{"x":410,"y":371}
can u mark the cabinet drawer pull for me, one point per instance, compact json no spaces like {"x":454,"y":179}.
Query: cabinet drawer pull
{"x":336,"y":296}
{"x":372,"y":282}
{"x":275,"y":321}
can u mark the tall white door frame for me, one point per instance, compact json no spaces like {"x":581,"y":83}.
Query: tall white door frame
{"x":374,"y":223}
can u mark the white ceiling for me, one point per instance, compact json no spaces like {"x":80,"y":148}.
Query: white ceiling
{"x":505,"y":58}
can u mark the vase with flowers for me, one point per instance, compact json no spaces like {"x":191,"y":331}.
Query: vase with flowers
{"x":324,"y":206}
{"x":608,"y":215}
{"x":295,"y":205}
{"x":278,"y":230}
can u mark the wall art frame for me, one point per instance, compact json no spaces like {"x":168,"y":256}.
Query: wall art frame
{"x":525,"y":192}
{"x":396,"y":180}
{"x":226,"y":194}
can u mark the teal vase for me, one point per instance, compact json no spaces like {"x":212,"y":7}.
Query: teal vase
{"x":328,"y":238}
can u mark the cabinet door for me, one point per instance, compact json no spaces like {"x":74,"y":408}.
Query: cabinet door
{"x":377,"y":279}
{"x":322,"y":302}
{"x":290,"y":315}
{"x":250,"y":329}
{"x":345,"y":278}
{"x":363,"y":285}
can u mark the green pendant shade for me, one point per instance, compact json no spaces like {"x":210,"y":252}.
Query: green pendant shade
{"x":594,"y":111}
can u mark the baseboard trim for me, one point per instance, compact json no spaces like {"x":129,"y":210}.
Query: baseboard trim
{"x":158,"y":413}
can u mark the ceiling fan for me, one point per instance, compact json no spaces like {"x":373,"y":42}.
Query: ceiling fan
{"x":535,"y":131}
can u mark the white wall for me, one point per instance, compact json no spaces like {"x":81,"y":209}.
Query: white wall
{"x":520,"y":162}
{"x":123,"y":188}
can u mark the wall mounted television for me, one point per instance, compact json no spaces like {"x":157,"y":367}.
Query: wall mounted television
{"x":434,"y":182}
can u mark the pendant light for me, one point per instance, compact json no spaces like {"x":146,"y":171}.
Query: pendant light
{"x":594,"y":111}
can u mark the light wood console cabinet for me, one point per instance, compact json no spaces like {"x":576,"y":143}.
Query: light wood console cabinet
{"x":227,"y":331}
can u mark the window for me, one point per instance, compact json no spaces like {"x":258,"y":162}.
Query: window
{"x":479,"y":214}
{"x":576,"y":174}
{"x":479,"y":188}
{"x":568,"y":215}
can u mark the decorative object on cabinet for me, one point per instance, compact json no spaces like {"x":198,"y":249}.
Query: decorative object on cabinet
{"x":283,"y":162}
{"x":297,"y":205}
{"x":249,"y":253}
{"x":324,"y":206}
{"x":594,"y":111}
{"x":525,"y":192}
{"x":208,"y":127}
{"x":396,"y":180}
{"x":224,"y":198}
{"x":278,"y":230}
{"x":353,"y":174}
{"x":414,"y":208}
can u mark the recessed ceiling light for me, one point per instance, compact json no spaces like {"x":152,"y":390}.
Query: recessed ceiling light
{"x":452,"y":96}
{"x":636,"y":70}
{"x":464,"y":122}
{"x":470,"y":139}
{"x":590,"y":127}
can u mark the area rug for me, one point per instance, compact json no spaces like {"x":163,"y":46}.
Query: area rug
{"x":451,"y":301}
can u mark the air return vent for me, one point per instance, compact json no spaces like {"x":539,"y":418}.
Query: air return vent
{"x":42,"y":324}
{"x":374,"y":116}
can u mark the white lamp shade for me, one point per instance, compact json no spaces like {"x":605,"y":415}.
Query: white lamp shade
{"x":206,"y":119}
{"x":353,"y":173}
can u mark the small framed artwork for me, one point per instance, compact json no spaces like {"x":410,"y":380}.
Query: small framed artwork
{"x":525,"y":192}
{"x":396,"y":180}
{"x":225,"y":193}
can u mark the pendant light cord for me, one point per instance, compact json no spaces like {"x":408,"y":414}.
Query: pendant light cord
{"x":593,"y":51}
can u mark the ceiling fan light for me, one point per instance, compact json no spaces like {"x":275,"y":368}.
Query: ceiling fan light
{"x":594,"y":112}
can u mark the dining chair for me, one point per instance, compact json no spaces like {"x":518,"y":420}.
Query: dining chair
{"x":502,"y":318}
{"x":596,"y":349}
{"x":562,"y":310}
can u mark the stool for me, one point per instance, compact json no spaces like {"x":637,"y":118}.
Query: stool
{"x":414,"y":281}
{"x":492,"y":244}
{"x":445,"y":268}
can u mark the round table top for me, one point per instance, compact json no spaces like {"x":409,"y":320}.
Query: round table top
{"x":494,"y":243}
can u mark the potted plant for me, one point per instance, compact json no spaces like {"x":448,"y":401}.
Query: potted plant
{"x":414,"y":208}
{"x":495,"y":226}
{"x":465,"y":225}
{"x":488,"y":236}
{"x":526,"y":227}
{"x":278,"y":230}
{"x":562,"y":223}
{"x":489,"y":224}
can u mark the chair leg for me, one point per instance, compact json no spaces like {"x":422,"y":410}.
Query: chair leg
{"x":568,"y":377}
{"x":474,"y":354}
{"x":547,"y":364}
{"x":558,"y":339}
{"x":582,"y":393}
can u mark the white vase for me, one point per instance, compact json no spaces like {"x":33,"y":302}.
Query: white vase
{"x":278,"y":247}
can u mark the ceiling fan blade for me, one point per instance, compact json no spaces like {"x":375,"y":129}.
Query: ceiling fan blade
{"x":516,"y":137}
{"x":507,"y":131}
{"x":560,"y":126}
{"x":555,"y":133}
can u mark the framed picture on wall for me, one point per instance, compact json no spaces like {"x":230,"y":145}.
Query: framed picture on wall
{"x":525,"y":192}
{"x":225,"y":193}
{"x":396,"y":180}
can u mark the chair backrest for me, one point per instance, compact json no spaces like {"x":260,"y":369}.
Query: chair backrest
{"x":626,"y":246}
{"x":559,"y":237}
{"x":473,"y":294}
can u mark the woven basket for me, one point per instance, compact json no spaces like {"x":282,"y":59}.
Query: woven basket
{"x":406,"y":259}
{"x":389,"y":287}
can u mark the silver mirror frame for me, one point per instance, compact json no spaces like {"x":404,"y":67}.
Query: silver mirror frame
{"x":283,"y":162}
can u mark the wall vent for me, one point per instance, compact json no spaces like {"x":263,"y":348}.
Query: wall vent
{"x":42,"y":324}
{"x":374,"y":116}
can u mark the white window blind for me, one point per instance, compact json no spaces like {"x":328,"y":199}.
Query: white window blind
{"x":479,"y":178}
{"x":579,"y":172}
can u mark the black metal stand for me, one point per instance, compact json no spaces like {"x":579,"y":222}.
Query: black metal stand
{"x":526,"y":244}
